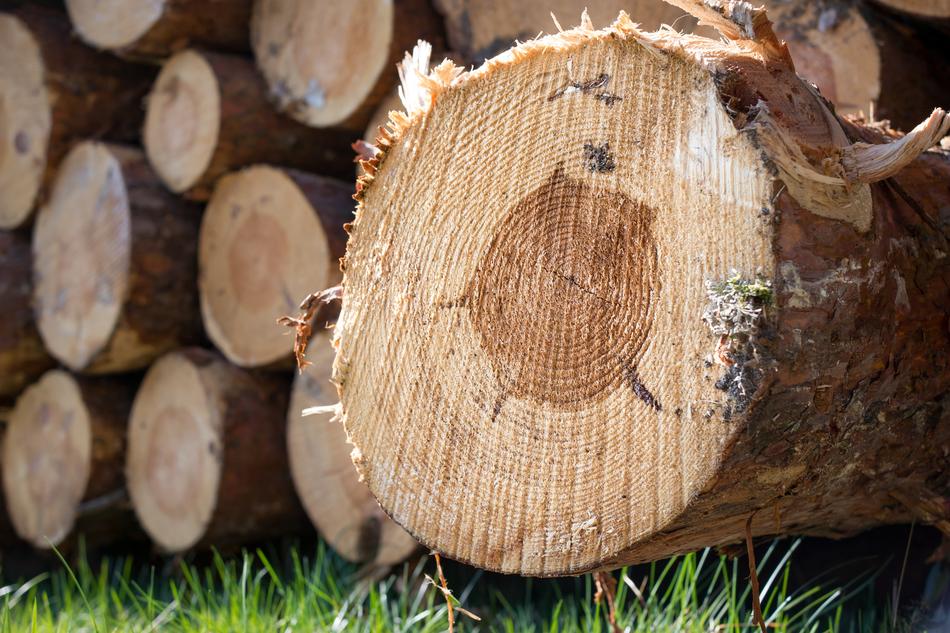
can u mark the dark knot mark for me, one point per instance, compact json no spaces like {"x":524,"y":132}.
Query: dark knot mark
{"x":588,"y":87}
{"x":598,"y":157}
{"x":633,"y":379}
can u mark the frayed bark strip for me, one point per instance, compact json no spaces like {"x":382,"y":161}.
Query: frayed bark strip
{"x":303,"y":325}
{"x":607,"y":588}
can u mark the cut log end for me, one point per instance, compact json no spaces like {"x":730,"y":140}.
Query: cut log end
{"x":81,"y":254}
{"x":46,"y":459}
{"x":322,"y":61}
{"x":339,"y":505}
{"x":114,"y":24}
{"x":582,"y":359}
{"x":175,"y":447}
{"x":25,"y":122}
{"x":182,"y":120}
{"x":262,"y":249}
{"x":556,"y":308}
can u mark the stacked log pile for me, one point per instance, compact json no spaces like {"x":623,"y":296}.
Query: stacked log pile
{"x":176,"y":176}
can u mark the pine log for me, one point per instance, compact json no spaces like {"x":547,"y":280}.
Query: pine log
{"x":865,"y":61}
{"x":153,"y":29}
{"x":207,"y":461}
{"x":268,"y":237}
{"x":657,"y":292}
{"x":114,"y":262}
{"x":339,"y":505}
{"x":23,"y":358}
{"x":54,"y":90}
{"x":209,"y":114}
{"x":479,"y":29}
{"x":63,"y":458}
{"x":332,"y":63}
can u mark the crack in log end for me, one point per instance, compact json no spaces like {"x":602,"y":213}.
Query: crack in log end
{"x":598,"y":158}
{"x":641,"y":391}
{"x":563,"y":292}
{"x":584,"y":88}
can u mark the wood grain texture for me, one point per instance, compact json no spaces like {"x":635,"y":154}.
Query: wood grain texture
{"x":550,"y":358}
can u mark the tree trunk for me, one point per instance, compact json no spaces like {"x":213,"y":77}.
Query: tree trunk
{"x":337,"y":502}
{"x":23,"y":358}
{"x":268,"y":238}
{"x":209,"y":114}
{"x":865,"y":61}
{"x":478,"y":29}
{"x":332,"y":63}
{"x":158,"y":28}
{"x":55,"y":91}
{"x":207,"y":462}
{"x":660,"y":292}
{"x":63,"y":459}
{"x":114,"y":262}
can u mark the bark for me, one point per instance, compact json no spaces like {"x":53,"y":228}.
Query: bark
{"x":89,"y":95}
{"x":22,"y":355}
{"x":154,"y":283}
{"x":254,"y":496}
{"x":44,"y":475}
{"x":249,"y":129}
{"x":343,"y":90}
{"x":651,"y":332}
{"x":171,"y":25}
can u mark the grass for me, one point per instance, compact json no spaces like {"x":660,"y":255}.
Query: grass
{"x":699,"y":592}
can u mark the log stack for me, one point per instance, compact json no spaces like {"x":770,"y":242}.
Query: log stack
{"x":606,"y":297}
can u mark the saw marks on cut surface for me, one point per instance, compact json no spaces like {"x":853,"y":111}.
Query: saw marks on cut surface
{"x":499,"y":294}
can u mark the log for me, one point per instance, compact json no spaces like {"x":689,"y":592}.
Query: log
{"x":54,"y":91}
{"x":209,"y":114}
{"x":268,"y":238}
{"x":332,"y":63}
{"x":63,"y":459}
{"x":662,"y":292}
{"x":207,"y":460}
{"x":23,"y":358}
{"x":155,"y":29}
{"x":931,"y":10}
{"x":478,"y":29}
{"x":114,"y":263}
{"x":865,"y":61}
{"x":339,"y":505}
